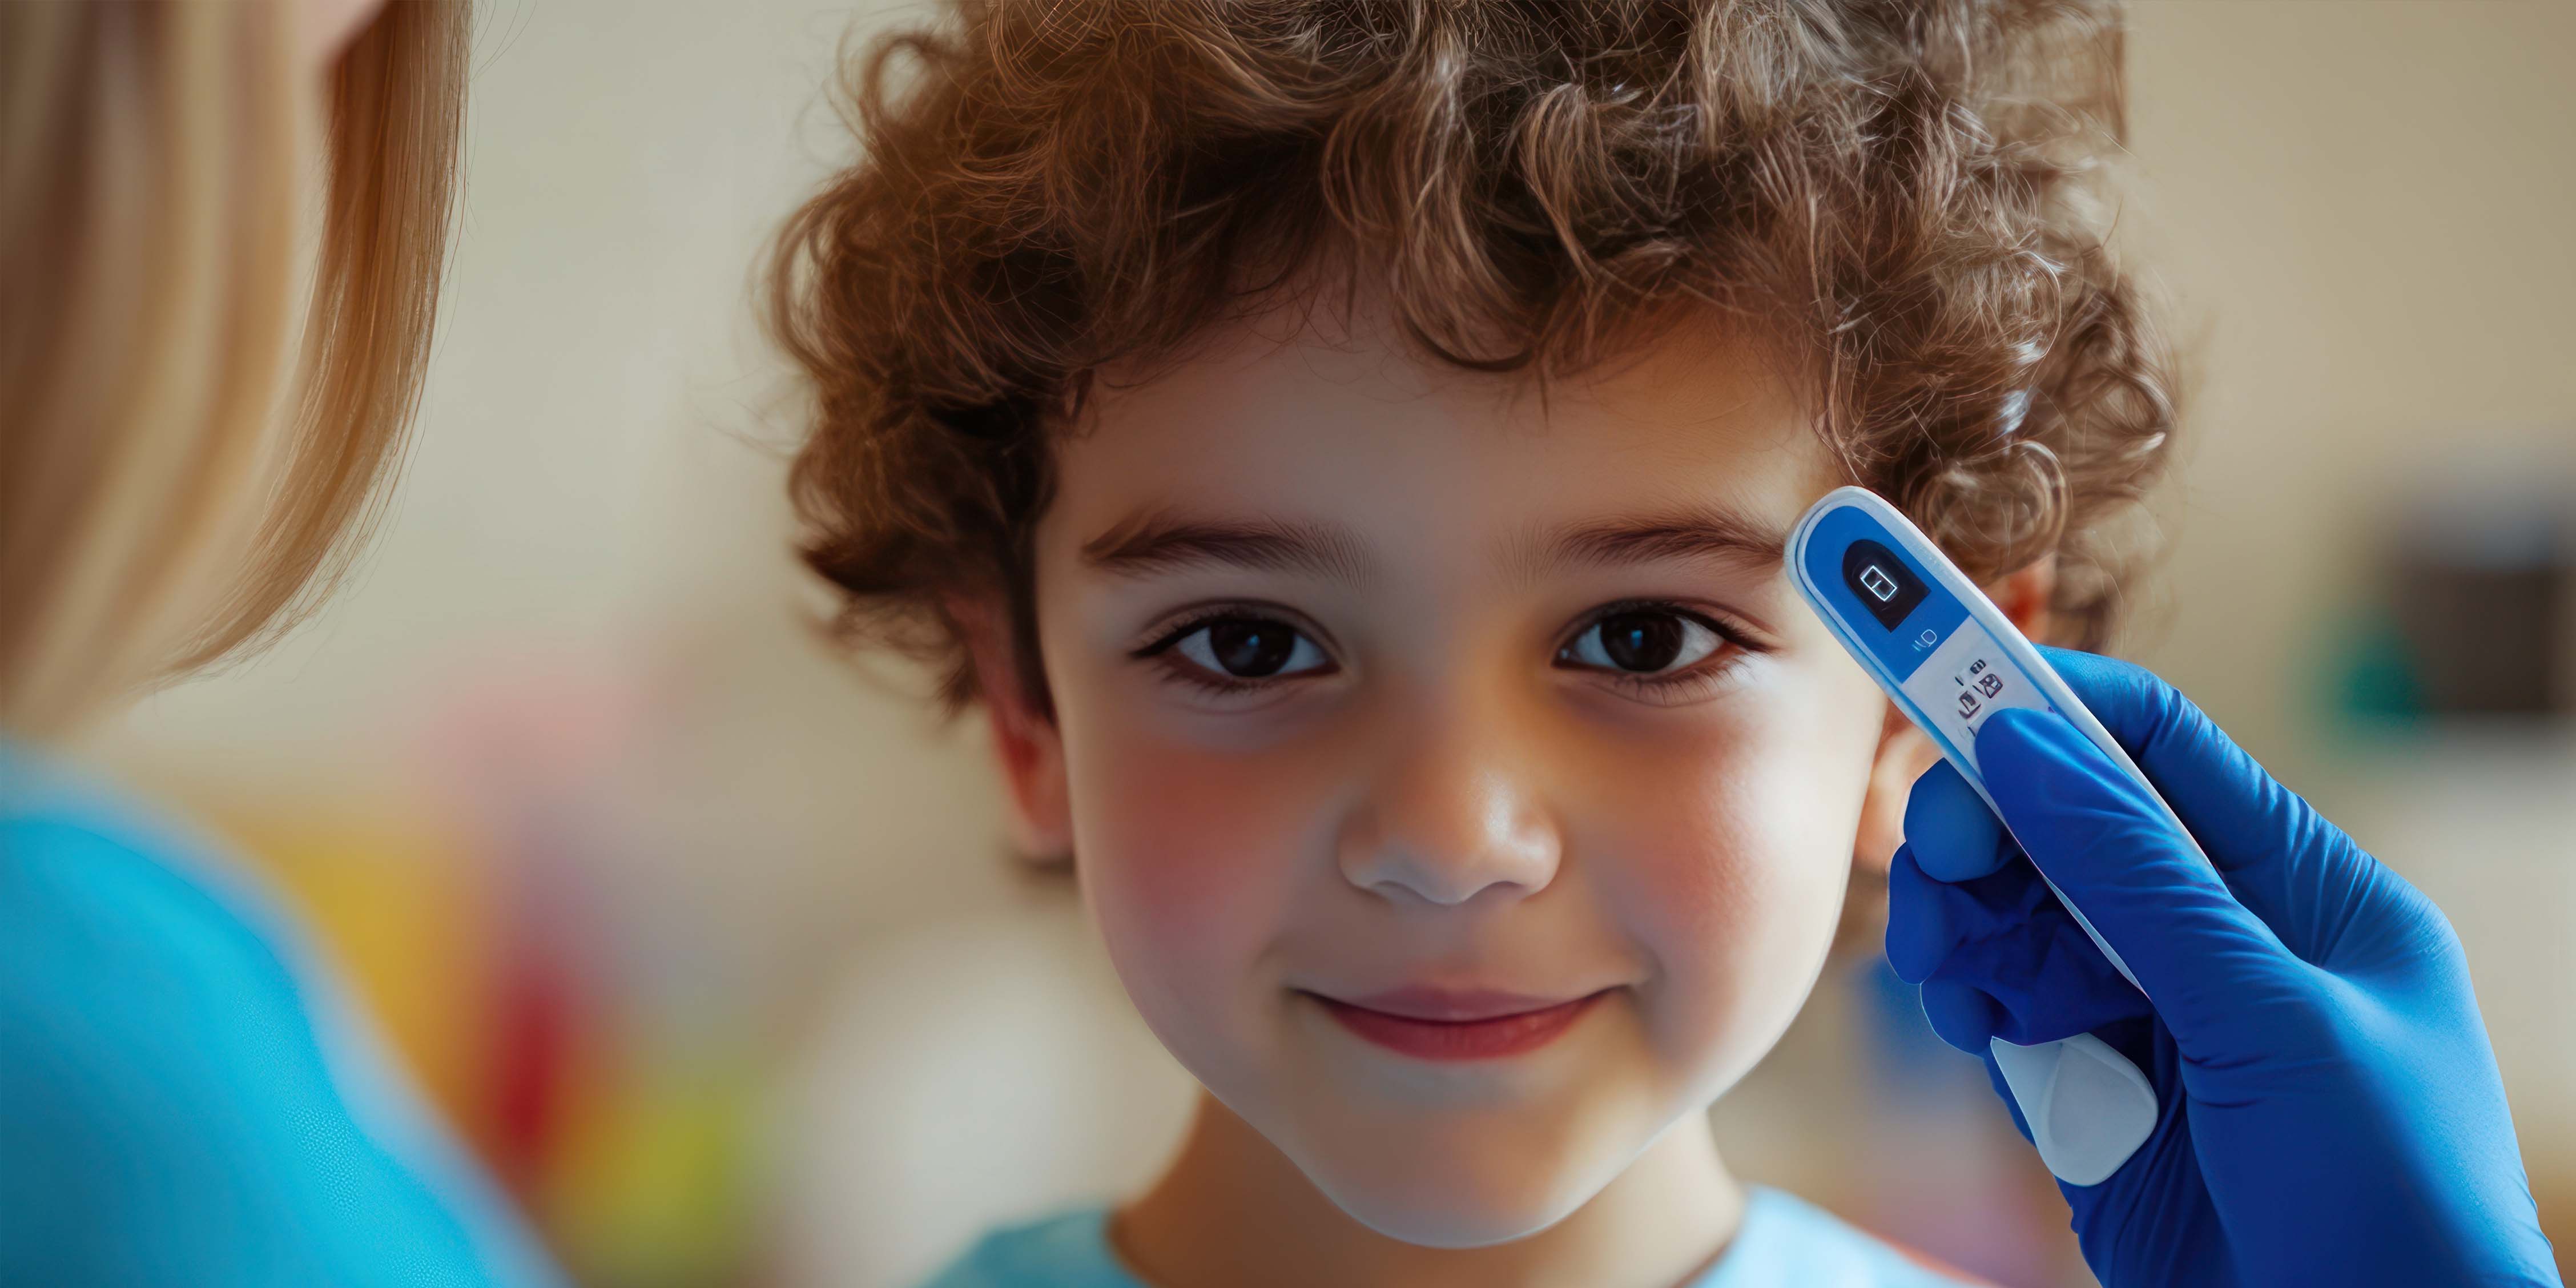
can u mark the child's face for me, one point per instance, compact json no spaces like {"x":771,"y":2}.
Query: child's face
{"x":1517,"y":825}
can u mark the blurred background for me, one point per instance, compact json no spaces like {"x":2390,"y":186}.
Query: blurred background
{"x":711,"y":943}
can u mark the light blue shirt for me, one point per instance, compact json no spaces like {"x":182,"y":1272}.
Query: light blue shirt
{"x":185,"y":1096}
{"x":1784,"y":1242}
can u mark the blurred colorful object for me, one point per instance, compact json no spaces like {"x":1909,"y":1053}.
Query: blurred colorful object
{"x":574,"y":1034}
{"x":2469,"y":611}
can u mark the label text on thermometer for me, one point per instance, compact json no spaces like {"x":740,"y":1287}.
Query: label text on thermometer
{"x":1967,"y":679}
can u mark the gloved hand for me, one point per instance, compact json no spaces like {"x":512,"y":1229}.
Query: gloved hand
{"x":2330,"y":1109}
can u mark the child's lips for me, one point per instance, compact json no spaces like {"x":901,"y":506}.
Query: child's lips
{"x":1436,"y":1024}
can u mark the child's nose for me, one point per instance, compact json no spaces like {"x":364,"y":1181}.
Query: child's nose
{"x":1450,"y":817}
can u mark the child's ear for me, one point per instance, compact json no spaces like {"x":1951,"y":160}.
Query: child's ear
{"x":2024,"y":596}
{"x":1025,"y":743}
{"x":1904,"y":753}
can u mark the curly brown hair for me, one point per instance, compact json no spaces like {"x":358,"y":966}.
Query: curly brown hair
{"x":1909,"y":193}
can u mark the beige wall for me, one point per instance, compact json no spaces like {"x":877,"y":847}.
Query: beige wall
{"x":2362,"y":211}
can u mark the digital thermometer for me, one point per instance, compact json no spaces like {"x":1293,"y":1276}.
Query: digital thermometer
{"x":1950,"y":659}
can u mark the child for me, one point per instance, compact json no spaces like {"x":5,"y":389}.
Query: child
{"x":1346,"y":447}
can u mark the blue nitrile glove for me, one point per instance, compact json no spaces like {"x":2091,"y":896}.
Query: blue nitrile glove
{"x":2331,"y":1112}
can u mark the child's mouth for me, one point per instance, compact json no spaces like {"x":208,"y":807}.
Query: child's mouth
{"x":1430,"y":1024}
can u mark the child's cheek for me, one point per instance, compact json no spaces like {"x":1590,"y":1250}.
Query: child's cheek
{"x":1188,"y":861}
{"x":1728,"y":864}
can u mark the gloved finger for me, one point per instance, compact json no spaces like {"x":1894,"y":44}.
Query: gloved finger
{"x":2044,"y":985}
{"x":2300,"y":874}
{"x":1930,"y":921}
{"x":2099,"y":835}
{"x":1960,"y":1014}
{"x":1920,"y":930}
{"x":1955,"y":837}
{"x":2005,"y":937}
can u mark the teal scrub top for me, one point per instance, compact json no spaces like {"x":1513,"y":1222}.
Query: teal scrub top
{"x":186,"y":1097}
{"x":1784,"y":1242}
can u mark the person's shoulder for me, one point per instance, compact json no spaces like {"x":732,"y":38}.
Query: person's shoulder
{"x":93,"y":882}
{"x":1786,"y":1240}
{"x":159,"y":999}
{"x":1068,"y":1250}
{"x":140,"y":1000}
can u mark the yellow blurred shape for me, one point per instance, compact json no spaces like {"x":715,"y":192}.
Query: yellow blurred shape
{"x":650,"y":1191}
{"x":402,"y":909}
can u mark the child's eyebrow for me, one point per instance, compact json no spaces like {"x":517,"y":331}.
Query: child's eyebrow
{"x":1161,"y":541}
{"x":1691,"y":532}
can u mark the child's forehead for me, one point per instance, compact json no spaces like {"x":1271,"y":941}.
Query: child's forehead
{"x":1360,"y":431}
{"x":1303,"y":349}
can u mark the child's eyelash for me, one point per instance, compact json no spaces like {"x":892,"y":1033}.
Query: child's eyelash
{"x":1679,"y":685}
{"x":1209,"y":682}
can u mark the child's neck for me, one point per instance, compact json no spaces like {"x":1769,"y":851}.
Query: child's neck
{"x":1232,"y":1210}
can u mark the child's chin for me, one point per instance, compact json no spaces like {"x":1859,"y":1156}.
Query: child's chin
{"x":1456,"y":1199}
{"x":1436,"y":1216}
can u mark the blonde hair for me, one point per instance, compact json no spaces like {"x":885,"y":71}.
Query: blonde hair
{"x":175,"y":486}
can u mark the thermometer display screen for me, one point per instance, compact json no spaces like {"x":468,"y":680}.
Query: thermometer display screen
{"x":1881,"y":582}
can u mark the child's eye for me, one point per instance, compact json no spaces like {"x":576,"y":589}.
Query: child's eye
{"x":1657,"y":650}
{"x":1643,"y":640}
{"x":1653,"y":648}
{"x":1233,"y":651}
